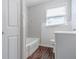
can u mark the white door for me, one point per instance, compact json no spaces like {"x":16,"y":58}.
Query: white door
{"x":11,"y":29}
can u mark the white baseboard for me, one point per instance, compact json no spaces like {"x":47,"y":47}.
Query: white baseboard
{"x":46,"y":45}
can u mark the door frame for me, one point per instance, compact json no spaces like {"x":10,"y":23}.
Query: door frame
{"x":23,"y":28}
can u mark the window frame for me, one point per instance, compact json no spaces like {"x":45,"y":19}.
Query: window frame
{"x":65,"y":18}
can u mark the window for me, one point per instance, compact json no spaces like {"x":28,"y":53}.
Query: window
{"x":56,"y":16}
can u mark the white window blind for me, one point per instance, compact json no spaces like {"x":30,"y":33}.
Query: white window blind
{"x":56,"y":16}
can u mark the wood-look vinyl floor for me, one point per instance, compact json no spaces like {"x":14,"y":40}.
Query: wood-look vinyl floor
{"x":42,"y":53}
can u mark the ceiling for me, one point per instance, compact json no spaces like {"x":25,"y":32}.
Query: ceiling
{"x":35,"y":2}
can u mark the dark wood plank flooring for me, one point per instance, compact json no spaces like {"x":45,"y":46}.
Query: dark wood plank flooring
{"x":42,"y":53}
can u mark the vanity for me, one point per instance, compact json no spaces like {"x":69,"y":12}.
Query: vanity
{"x":65,"y":44}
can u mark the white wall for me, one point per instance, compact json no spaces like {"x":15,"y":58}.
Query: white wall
{"x":37,"y":19}
{"x":34,"y":24}
{"x":73,"y":14}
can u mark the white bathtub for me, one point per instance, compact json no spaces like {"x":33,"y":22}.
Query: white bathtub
{"x":31,"y":45}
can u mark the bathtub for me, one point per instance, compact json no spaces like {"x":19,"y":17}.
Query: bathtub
{"x":31,"y":45}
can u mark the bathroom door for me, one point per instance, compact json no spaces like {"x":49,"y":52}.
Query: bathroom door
{"x":11,"y":29}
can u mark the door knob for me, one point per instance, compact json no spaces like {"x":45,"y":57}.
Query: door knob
{"x":2,"y":32}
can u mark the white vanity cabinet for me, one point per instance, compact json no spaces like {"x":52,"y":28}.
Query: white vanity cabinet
{"x":65,"y":45}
